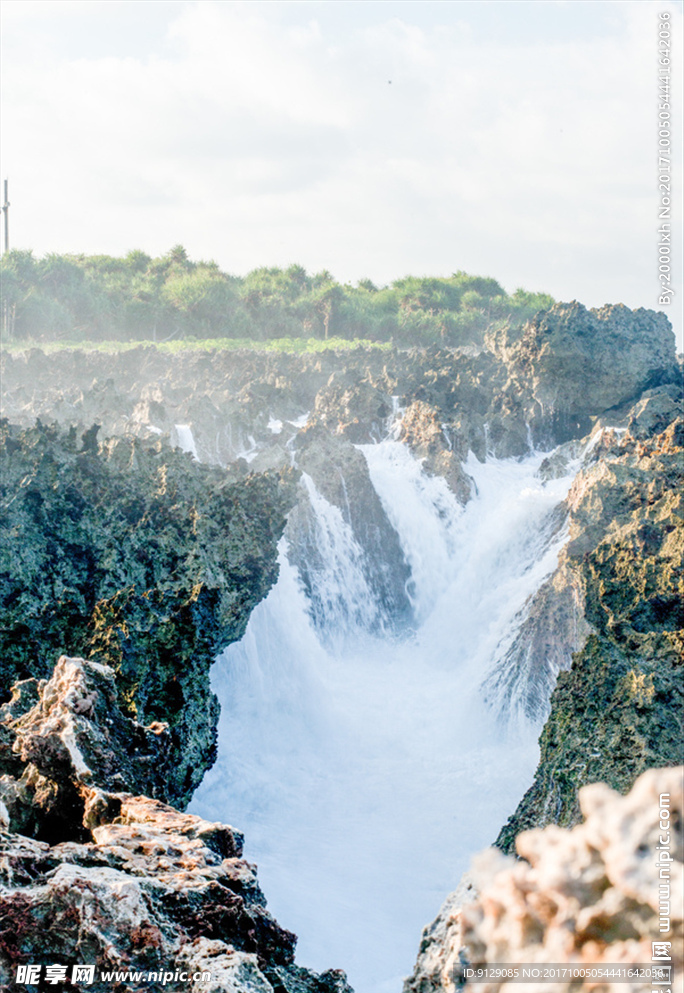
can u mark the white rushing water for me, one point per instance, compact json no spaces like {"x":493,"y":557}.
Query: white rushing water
{"x":366,"y":773}
{"x":186,"y":440}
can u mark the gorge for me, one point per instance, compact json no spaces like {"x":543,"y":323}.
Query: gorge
{"x":407,"y":552}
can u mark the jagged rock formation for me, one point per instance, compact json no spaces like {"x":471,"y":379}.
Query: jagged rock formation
{"x":612,"y":501}
{"x":545,"y":381}
{"x":569,"y":364}
{"x":57,"y":735}
{"x":613,"y":911}
{"x":119,"y":880}
{"x":558,"y":621}
{"x":355,"y":406}
{"x":553,"y":626}
{"x":618,"y":709}
{"x":584,"y":896}
{"x":431,"y":442}
{"x":614,"y":600}
{"x":130,"y":552}
{"x":227,"y":398}
{"x":441,"y":953}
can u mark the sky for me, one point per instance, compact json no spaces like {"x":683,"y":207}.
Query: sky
{"x":514,"y":139}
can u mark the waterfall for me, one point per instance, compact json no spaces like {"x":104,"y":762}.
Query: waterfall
{"x":340,"y":600}
{"x":425,"y":514}
{"x":186,"y":440}
{"x":366,"y":770}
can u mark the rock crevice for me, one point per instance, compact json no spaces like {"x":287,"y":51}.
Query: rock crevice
{"x":121,"y":880}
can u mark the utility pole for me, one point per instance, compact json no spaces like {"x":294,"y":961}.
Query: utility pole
{"x":5,"y":210}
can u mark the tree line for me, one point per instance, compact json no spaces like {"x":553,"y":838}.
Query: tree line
{"x":139,"y":298}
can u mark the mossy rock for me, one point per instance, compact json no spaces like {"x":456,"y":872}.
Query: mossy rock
{"x":615,"y":714}
{"x":618,"y":710}
{"x":131,"y":553}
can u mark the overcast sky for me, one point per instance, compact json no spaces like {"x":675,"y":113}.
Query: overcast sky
{"x":374,"y":139}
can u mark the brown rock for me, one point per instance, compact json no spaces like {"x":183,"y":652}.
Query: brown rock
{"x":68,"y":732}
{"x":131,"y":884}
{"x":440,"y":448}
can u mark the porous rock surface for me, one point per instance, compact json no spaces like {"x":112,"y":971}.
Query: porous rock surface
{"x":584,"y":896}
{"x":58,"y":734}
{"x":95,"y":875}
{"x":131,"y":552}
{"x":617,"y":708}
{"x":569,"y":364}
{"x":431,"y":442}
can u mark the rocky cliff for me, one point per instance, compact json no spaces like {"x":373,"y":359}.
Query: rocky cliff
{"x":93,"y":873}
{"x":131,"y":554}
{"x":129,"y":551}
{"x":569,"y":364}
{"x":543,"y":383}
{"x":617,"y":709}
{"x":615,"y":601}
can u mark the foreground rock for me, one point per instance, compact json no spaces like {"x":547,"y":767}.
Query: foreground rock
{"x":58,"y":736}
{"x":121,"y":881}
{"x":586,"y":896}
{"x":133,"y":553}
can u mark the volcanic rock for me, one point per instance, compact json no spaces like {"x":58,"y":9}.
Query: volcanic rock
{"x":69,"y":731}
{"x":440,"y":450}
{"x":587,"y":896}
{"x":353,"y":407}
{"x":570,"y":364}
{"x":135,"y":554}
{"x":623,"y":691}
{"x":121,"y":881}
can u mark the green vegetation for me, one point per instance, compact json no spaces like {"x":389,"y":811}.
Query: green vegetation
{"x":99,"y":298}
{"x":292,"y":345}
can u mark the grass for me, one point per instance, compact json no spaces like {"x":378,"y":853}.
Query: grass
{"x":296,"y":345}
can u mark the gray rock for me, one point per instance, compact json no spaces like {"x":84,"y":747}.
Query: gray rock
{"x":571,"y":363}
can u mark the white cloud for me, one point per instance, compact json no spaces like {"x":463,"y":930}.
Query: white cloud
{"x":260,"y":133}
